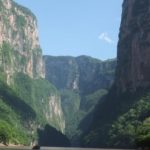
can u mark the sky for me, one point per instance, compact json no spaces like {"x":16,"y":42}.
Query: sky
{"x":77,"y":27}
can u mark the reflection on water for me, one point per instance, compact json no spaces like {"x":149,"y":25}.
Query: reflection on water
{"x":46,"y":148}
{"x":49,"y":148}
{"x":42,"y":148}
{"x":54,"y":148}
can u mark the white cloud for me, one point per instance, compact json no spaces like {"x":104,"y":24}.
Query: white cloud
{"x":105,"y":37}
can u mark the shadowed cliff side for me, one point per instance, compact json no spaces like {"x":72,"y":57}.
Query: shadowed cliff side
{"x":49,"y":136}
{"x":120,"y":117}
{"x":82,"y":81}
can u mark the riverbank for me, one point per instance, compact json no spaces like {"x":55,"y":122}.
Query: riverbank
{"x":12,"y":146}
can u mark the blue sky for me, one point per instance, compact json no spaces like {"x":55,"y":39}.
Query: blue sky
{"x":77,"y":27}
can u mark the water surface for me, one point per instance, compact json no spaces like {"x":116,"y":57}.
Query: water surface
{"x":56,"y":148}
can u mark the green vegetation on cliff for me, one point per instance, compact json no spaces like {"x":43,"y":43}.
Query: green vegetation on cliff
{"x":122,"y":119}
{"x":23,"y":107}
{"x":25,"y":10}
{"x":15,"y":116}
{"x":70,"y":104}
{"x":143,"y":133}
{"x":38,"y":93}
{"x":117,"y":120}
{"x":128,"y":126}
{"x":6,"y":53}
{"x":27,"y":100}
{"x":82,"y":82}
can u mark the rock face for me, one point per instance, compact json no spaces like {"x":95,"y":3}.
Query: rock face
{"x":50,"y":137}
{"x":55,"y":113}
{"x":83,"y":73}
{"x":82,"y":81}
{"x":62,"y":72}
{"x":19,"y":45}
{"x":118,"y":119}
{"x":22,"y":69}
{"x":133,"y":70}
{"x":95,"y":74}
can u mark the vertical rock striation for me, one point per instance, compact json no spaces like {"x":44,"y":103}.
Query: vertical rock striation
{"x":19,"y":44}
{"x":83,"y":74}
{"x":118,"y":119}
{"x":22,"y":66}
{"x":133,"y":70}
{"x":82,"y":81}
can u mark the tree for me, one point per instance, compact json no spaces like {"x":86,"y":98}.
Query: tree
{"x":4,"y":132}
{"x":143,"y":134}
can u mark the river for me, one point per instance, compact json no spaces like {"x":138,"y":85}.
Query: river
{"x":55,"y":148}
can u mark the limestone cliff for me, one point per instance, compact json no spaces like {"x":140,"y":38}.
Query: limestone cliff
{"x":62,"y":72}
{"x":82,"y":81}
{"x":19,"y":45}
{"x":134,"y":46}
{"x":22,"y":70}
{"x":83,"y":73}
{"x":95,"y":74}
{"x":119,"y":120}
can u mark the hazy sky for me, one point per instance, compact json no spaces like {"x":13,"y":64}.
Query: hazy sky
{"x":77,"y":27}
